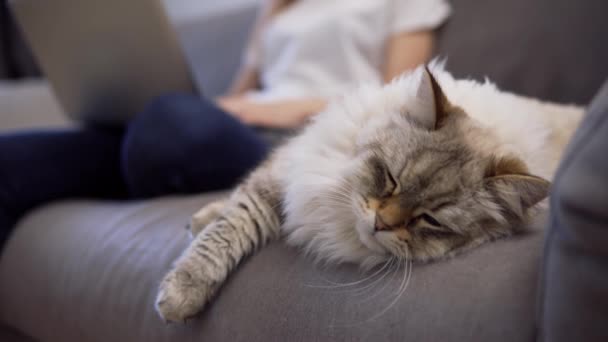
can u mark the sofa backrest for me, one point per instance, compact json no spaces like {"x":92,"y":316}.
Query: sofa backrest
{"x":551,"y":49}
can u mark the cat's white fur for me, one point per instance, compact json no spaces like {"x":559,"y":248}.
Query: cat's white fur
{"x":307,"y":167}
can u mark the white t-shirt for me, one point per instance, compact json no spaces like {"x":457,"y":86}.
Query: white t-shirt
{"x":325,"y":47}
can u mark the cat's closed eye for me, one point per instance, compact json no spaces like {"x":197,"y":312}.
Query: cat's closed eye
{"x":435,"y":233}
{"x":432,"y":227}
{"x":429,"y":219}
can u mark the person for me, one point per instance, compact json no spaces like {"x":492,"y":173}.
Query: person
{"x":301,"y":54}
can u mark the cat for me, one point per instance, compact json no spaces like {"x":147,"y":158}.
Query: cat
{"x":419,"y":169}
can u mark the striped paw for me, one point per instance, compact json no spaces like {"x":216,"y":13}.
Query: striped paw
{"x":181,"y":296}
{"x":203,"y":217}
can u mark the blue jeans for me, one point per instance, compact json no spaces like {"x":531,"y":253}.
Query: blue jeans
{"x":178,"y":144}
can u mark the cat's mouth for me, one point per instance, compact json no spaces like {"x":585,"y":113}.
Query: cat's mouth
{"x":383,"y":243}
{"x":391,"y":243}
{"x":368,"y":238}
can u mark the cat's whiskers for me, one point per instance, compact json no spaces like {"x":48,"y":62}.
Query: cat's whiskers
{"x":388,"y":268}
{"x":335,"y":285}
{"x":393,"y":272}
{"x":400,"y":248}
{"x":407,"y":275}
{"x":370,"y":286}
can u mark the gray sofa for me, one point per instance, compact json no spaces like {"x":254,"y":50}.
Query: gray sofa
{"x":87,"y":270}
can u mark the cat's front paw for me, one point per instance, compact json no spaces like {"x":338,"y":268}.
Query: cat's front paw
{"x":203,"y":217}
{"x":181,"y":296}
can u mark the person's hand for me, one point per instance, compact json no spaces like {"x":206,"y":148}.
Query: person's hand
{"x":278,"y":114}
{"x":232,"y":104}
{"x":275,"y":114}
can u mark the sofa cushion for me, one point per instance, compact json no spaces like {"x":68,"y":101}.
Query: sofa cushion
{"x":89,"y":270}
{"x":550,"y":49}
{"x":575,"y":274}
{"x":8,"y":334}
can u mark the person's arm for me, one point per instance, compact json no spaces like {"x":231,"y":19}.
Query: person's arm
{"x":279,"y":114}
{"x":405,"y":51}
{"x":247,"y":78}
{"x":285,"y":113}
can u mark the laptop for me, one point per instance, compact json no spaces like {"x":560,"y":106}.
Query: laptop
{"x":105,"y":59}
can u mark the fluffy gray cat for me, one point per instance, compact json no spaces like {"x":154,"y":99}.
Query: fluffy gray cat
{"x":420,"y":169}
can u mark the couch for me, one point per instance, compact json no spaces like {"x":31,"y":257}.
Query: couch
{"x":88,"y":270}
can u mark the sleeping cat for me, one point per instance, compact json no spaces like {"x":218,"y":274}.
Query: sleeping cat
{"x":420,"y":169}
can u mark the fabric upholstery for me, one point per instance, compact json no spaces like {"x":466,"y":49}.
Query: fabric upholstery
{"x":550,"y":49}
{"x":88,"y":271}
{"x":574,"y":300}
{"x":8,"y":334}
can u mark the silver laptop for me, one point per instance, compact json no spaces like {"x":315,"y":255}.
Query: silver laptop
{"x":105,"y":59}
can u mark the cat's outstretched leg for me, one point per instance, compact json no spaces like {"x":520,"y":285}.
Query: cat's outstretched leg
{"x":205,"y":216}
{"x":251,"y":217}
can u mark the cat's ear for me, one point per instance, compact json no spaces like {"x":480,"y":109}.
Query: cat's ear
{"x":434,"y":105}
{"x":509,"y":179}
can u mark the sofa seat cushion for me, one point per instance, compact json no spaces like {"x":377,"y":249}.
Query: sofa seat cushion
{"x":89,"y":270}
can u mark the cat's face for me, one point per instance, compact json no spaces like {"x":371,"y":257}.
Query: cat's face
{"x":419,"y":190}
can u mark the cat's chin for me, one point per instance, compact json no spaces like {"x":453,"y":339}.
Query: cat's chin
{"x":367,"y":238}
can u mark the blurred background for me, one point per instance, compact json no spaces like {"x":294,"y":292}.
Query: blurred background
{"x":26,"y":100}
{"x":16,"y":61}
{"x":553,"y":50}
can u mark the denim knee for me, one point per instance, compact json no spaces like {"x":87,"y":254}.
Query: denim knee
{"x":182,"y":144}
